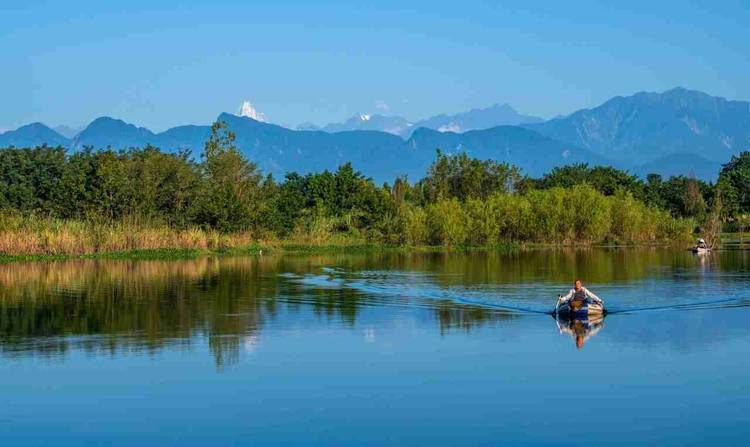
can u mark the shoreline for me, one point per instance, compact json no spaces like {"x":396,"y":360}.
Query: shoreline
{"x":258,"y":249}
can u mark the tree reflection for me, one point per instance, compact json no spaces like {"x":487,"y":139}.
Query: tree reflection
{"x":108,"y":307}
{"x":466,"y":318}
{"x":119,"y":306}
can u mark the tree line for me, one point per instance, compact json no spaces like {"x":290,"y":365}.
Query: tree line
{"x":460,"y":201}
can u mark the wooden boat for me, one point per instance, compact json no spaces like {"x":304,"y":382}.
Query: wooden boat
{"x":700,"y":250}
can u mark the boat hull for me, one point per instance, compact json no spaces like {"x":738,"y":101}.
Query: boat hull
{"x":588,"y":309}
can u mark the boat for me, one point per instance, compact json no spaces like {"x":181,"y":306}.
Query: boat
{"x":700,"y":247}
{"x":588,"y":308}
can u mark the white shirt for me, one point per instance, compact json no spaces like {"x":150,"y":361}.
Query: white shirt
{"x":585,"y":291}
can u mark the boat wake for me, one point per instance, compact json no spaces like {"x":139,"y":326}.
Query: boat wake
{"x":703,"y":305}
{"x":520,"y":299}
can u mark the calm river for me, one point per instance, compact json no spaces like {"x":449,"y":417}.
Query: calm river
{"x":376,"y":349}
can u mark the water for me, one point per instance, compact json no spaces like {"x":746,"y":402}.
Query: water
{"x":441,"y":349}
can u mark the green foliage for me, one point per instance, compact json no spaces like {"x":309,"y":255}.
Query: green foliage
{"x":552,"y":220}
{"x":446,"y":222}
{"x":683,"y":196}
{"x":228,"y":197}
{"x":462,"y":201}
{"x":605,"y":179}
{"x":30,"y":178}
{"x":628,"y":217}
{"x":734,"y":184}
{"x":415,"y":226}
{"x":463,"y":178}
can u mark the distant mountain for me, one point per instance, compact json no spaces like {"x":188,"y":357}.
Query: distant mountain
{"x":191,"y":138}
{"x":308,"y":126}
{"x":681,"y":163}
{"x":644,"y":127}
{"x":477,"y":119}
{"x":381,"y":155}
{"x":675,"y":132}
{"x":67,"y":131}
{"x":529,"y":150}
{"x":384,"y":156}
{"x":247,"y":110}
{"x":395,"y":125}
{"x":280,"y":150}
{"x":109,"y":132}
{"x":31,"y":135}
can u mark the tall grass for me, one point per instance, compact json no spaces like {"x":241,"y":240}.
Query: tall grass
{"x":37,"y":235}
{"x":577,"y":215}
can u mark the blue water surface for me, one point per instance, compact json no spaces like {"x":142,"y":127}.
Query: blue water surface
{"x":370,"y":350}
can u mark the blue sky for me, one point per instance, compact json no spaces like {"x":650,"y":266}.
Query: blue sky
{"x":163,"y":63}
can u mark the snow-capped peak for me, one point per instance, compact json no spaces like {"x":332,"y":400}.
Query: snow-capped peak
{"x":247,"y":110}
{"x":364,"y":117}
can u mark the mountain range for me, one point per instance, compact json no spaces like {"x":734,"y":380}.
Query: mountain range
{"x":647,"y":126}
{"x":475,"y":119}
{"x":678,"y":131}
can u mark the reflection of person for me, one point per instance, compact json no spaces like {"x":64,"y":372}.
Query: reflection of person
{"x":581,"y":330}
{"x":579,"y":295}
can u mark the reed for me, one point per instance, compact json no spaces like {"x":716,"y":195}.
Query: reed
{"x":31,"y":235}
{"x":569,"y":216}
{"x":563,"y":216}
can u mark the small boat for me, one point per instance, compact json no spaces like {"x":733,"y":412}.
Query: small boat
{"x":700,"y":247}
{"x":586,"y":309}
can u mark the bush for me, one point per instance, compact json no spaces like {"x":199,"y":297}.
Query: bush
{"x":446,"y":223}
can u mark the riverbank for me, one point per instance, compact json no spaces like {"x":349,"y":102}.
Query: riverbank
{"x":24,"y":238}
{"x":265,"y":248}
{"x":255,"y":249}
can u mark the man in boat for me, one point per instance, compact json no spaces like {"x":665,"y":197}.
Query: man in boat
{"x":701,"y":244}
{"x":579,"y":295}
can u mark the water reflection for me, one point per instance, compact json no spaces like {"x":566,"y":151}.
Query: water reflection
{"x":580,"y":329}
{"x":114,"y":306}
{"x":106,"y":307}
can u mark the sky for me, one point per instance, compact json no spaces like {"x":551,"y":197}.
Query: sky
{"x":164,"y":63}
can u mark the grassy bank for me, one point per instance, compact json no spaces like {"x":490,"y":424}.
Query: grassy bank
{"x":272,"y":247}
{"x":30,"y":236}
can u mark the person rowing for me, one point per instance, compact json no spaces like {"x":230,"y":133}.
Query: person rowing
{"x":578,"y":299}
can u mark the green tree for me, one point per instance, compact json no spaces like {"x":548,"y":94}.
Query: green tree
{"x":734,"y":184}
{"x":462,"y":177}
{"x":168,"y":185}
{"x":653,"y":190}
{"x":30,"y":179}
{"x":678,"y":201}
{"x":228,"y":198}
{"x":693,"y":204}
{"x":605,"y":179}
